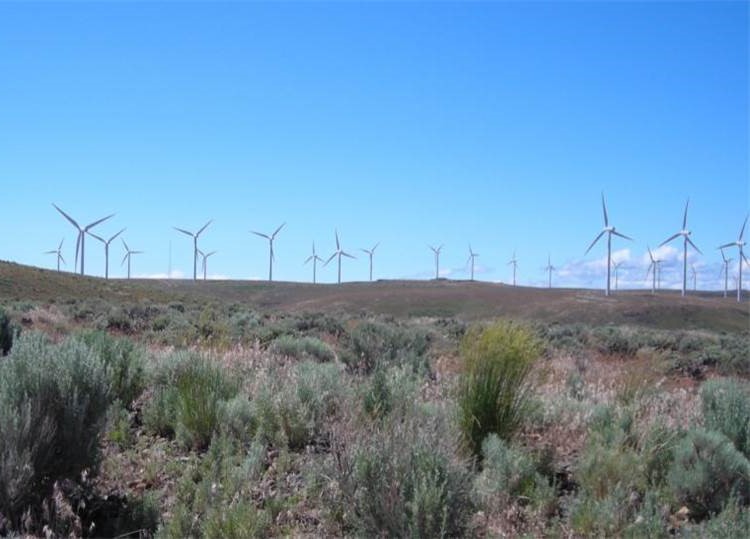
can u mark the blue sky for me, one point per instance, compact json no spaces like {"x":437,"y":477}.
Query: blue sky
{"x":496,"y":123}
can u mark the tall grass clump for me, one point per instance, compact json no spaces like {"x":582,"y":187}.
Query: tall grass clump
{"x":494,"y":392}
{"x":726,"y":409}
{"x":53,"y":408}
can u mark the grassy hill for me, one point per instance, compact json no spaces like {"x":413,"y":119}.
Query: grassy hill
{"x":469,"y":300}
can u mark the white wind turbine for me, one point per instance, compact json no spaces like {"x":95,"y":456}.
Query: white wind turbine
{"x":654,"y":266}
{"x":472,"y":256}
{"x":204,"y":264}
{"x":270,"y":248}
{"x":128,"y":254}
{"x":57,"y":252}
{"x":685,"y":233}
{"x":725,"y":270}
{"x":616,"y":266}
{"x":609,"y":230}
{"x":437,"y":259}
{"x":315,"y":259}
{"x":80,"y":242}
{"x":195,"y":245}
{"x":740,"y":244}
{"x":513,"y":262}
{"x":549,"y":268}
{"x":695,"y":277}
{"x":370,"y":252}
{"x":339,"y":253}
{"x":106,"y":249}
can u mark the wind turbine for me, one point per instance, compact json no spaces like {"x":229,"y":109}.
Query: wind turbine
{"x":270,"y":248}
{"x":195,"y":246}
{"x":514,"y":263}
{"x":128,"y":253}
{"x":617,"y":265}
{"x":437,"y":259}
{"x":726,"y":270}
{"x":370,"y":252}
{"x":740,"y":243}
{"x":656,"y":268}
{"x":205,"y":256}
{"x":106,"y":249}
{"x":339,"y":252}
{"x":685,"y":233}
{"x":472,"y":256}
{"x":315,"y":258}
{"x":550,"y":268}
{"x":695,"y":277}
{"x":609,"y":230}
{"x":80,"y":242}
{"x":58,"y":253}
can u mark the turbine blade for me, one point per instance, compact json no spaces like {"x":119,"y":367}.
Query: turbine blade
{"x":604,"y":210}
{"x":373,"y":249}
{"x":331,"y":258}
{"x":594,"y":242}
{"x":622,"y":235}
{"x":92,"y":225}
{"x":78,"y":246}
{"x":670,"y":238}
{"x":347,"y":254}
{"x":277,"y":230}
{"x":68,"y":217}
{"x":742,"y":230}
{"x":124,"y":258}
{"x":694,"y":245}
{"x":308,"y":259}
{"x":61,"y":258}
{"x":203,"y":228}
{"x":684,"y":218}
{"x":338,"y":246}
{"x":261,"y":235}
{"x":650,"y":254}
{"x":727,"y":245}
{"x":50,"y":252}
{"x":136,"y":252}
{"x":183,"y":231}
{"x":211,"y":253}
{"x":120,"y":232}
{"x":61,"y":242}
{"x":125,"y":244}
{"x":745,"y":259}
{"x":97,"y":237}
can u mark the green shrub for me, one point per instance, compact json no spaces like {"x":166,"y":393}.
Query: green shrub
{"x":160,"y":411}
{"x":707,"y":471}
{"x":731,"y":523}
{"x":403,"y":482}
{"x":378,"y":400}
{"x":494,"y":389}
{"x":53,"y":407}
{"x":302,"y":348}
{"x":124,"y":362}
{"x":372,"y":344}
{"x":726,"y":409}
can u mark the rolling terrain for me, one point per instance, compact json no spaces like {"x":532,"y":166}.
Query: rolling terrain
{"x":464,"y":299}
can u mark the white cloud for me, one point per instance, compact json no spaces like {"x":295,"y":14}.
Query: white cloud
{"x":175,"y":274}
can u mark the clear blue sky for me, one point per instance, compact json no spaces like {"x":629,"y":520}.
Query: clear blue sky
{"x":495,"y":123}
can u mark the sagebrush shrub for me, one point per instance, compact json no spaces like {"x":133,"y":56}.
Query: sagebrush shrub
{"x":7,"y":333}
{"x":707,"y":471}
{"x":494,"y":390}
{"x":374,"y":344}
{"x":726,"y":409}
{"x":302,"y":348}
{"x":53,"y":408}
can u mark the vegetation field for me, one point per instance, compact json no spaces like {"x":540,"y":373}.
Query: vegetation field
{"x":391,"y":409}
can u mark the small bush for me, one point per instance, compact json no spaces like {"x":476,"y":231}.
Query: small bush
{"x":494,"y":389}
{"x":731,"y":523}
{"x":7,"y":333}
{"x":302,"y":348}
{"x":377,"y":400}
{"x":53,"y":407}
{"x":726,"y":409}
{"x":374,"y":344}
{"x":707,"y":471}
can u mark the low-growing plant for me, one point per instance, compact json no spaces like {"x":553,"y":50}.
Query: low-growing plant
{"x":726,"y":409}
{"x":53,"y":406}
{"x":302,"y":348}
{"x":707,"y":471}
{"x":374,"y":344}
{"x":495,"y":388}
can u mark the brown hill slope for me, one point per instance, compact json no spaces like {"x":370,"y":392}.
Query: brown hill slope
{"x":464,"y":299}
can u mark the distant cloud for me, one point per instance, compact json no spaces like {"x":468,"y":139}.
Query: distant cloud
{"x":175,"y":274}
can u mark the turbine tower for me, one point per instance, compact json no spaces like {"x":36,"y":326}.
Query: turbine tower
{"x":685,"y":233}
{"x":195,"y":246}
{"x":726,"y":262}
{"x":695,"y":277}
{"x":80,"y":242}
{"x":106,"y":249}
{"x":740,"y":244}
{"x":270,"y":248}
{"x":437,"y":259}
{"x":609,"y":230}
{"x":339,"y":253}
{"x":617,"y":265}
{"x":205,"y":256}
{"x":370,"y":252}
{"x":472,"y":256}
{"x":57,"y":252}
{"x":656,"y":268}
{"x":549,"y":268}
{"x":315,"y":259}
{"x":513,"y":262}
{"x":127,"y":256}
